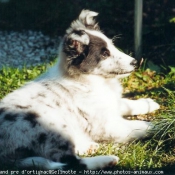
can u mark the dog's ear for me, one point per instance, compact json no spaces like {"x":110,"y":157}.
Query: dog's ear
{"x":86,"y":17}
{"x":85,"y":21}
{"x":75,"y":43}
{"x":73,"y":48}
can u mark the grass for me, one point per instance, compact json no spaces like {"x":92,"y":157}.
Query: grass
{"x":154,"y":154}
{"x":12,"y":78}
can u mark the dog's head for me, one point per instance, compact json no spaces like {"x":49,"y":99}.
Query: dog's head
{"x":89,"y":51}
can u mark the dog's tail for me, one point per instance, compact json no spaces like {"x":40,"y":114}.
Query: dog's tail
{"x":91,"y":163}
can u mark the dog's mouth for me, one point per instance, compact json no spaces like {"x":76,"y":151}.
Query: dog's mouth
{"x":120,"y":73}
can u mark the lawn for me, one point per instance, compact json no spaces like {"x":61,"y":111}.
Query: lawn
{"x":154,"y":154}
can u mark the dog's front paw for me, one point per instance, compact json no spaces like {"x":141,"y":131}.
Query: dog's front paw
{"x":150,"y":105}
{"x":100,"y":162}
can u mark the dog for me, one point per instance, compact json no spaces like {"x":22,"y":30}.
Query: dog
{"x":64,"y":113}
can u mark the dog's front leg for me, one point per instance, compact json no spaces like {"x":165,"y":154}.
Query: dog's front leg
{"x":140,"y":106}
{"x":123,"y":131}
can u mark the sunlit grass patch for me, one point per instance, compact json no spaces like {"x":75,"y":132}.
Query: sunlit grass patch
{"x":13,"y":78}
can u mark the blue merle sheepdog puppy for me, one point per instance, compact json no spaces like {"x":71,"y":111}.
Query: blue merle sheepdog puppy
{"x":77,"y":103}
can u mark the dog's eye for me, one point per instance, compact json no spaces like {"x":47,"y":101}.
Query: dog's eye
{"x":105,"y":52}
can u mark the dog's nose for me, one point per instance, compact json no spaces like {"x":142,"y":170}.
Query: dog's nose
{"x":134,"y":63}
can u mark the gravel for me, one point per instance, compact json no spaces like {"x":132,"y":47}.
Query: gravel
{"x":28,"y":48}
